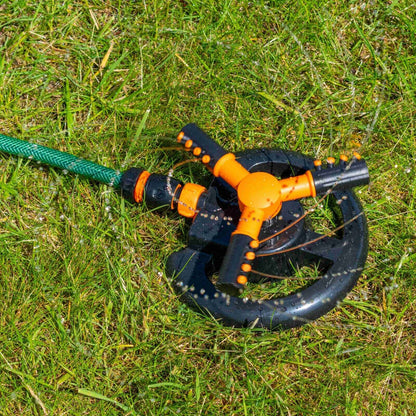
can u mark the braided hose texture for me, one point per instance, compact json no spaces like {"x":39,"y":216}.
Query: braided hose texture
{"x":60,"y":160}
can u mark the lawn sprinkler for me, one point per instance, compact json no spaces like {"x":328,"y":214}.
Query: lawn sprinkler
{"x":253,"y":257}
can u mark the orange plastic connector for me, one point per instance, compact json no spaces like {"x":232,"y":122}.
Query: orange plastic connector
{"x":188,"y":199}
{"x":317,"y":163}
{"x":246,"y":267}
{"x":297,"y":187}
{"x":331,"y":160}
{"x":344,"y":158}
{"x":139,"y":188}
{"x":197,"y":151}
{"x":357,"y":155}
{"x":230,"y":170}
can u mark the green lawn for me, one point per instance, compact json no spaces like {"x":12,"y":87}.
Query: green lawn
{"x":88,"y":321}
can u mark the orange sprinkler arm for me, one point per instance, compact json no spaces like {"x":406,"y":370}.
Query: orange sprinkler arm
{"x":260,"y":196}
{"x":221,"y":163}
{"x":297,"y":187}
{"x":230,"y":170}
{"x":241,"y":251}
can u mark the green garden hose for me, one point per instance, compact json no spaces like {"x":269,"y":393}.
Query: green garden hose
{"x":60,"y":160}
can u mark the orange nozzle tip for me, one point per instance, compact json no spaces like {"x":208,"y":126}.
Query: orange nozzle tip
{"x":357,"y":155}
{"x":246,"y":267}
{"x":317,"y":162}
{"x":254,"y":244}
{"x":344,"y":158}
{"x":250,"y":255}
{"x":180,"y":136}
{"x":205,"y":159}
{"x":188,"y":144}
{"x":197,"y":151}
{"x":331,"y":160}
{"x":242,"y":280}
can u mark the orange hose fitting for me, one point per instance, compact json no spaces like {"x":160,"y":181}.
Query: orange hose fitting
{"x":188,"y":199}
{"x":140,"y":184}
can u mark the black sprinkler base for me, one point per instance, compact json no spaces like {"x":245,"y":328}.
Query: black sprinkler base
{"x":299,"y":274}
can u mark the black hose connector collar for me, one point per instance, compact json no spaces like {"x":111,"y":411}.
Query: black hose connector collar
{"x":128,"y":183}
{"x":158,"y":190}
{"x":161,"y":191}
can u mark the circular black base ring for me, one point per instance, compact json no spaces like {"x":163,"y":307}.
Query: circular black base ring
{"x":344,"y":255}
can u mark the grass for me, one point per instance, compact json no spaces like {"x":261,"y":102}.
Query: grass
{"x":88,"y":322}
